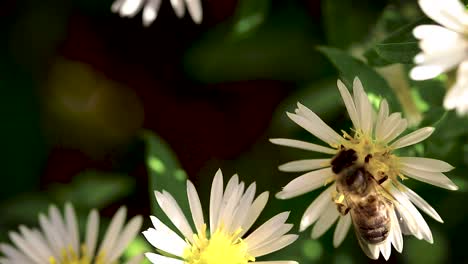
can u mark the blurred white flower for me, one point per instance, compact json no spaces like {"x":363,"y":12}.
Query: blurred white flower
{"x":128,"y":8}
{"x":232,"y":213}
{"x":58,"y":240}
{"x":371,"y":147}
{"x":444,"y":48}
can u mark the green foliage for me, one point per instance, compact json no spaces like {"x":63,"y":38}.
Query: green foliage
{"x":93,"y":189}
{"x":164,"y":173}
{"x":350,"y":68}
{"x":249,"y":16}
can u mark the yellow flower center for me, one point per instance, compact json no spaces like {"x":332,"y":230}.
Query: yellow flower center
{"x":380,"y":160}
{"x":69,"y":256}
{"x":221,"y":247}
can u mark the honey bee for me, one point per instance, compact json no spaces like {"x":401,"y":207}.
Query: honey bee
{"x":361,"y":195}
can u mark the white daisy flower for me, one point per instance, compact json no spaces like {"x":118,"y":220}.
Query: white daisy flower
{"x":58,"y":240}
{"x":371,"y":147}
{"x":129,"y":8}
{"x":444,"y":48}
{"x":232,"y":213}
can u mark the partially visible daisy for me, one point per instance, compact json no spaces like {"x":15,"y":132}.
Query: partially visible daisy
{"x":444,"y":48}
{"x":58,"y":240}
{"x":222,"y":240}
{"x":129,"y":8}
{"x":371,"y":144}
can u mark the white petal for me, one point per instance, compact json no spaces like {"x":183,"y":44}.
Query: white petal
{"x":302,"y":145}
{"x":130,"y":7}
{"x":325,"y":221}
{"x":317,"y":207}
{"x":257,"y":207}
{"x":216,"y":197}
{"x":150,"y":11}
{"x":341,"y":230}
{"x":397,"y":236}
{"x":420,"y":203}
{"x":36,"y":243}
{"x":113,"y":232}
{"x":411,"y":219}
{"x":179,"y":7}
{"x":434,"y":178}
{"x":457,"y":96}
{"x":273,"y":236}
{"x":195,"y":10}
{"x":25,"y":247}
{"x":426,"y":164}
{"x":72,"y":226}
{"x":274,"y":246}
{"x":58,"y":224}
{"x":161,"y":227}
{"x":363,"y":107}
{"x":115,"y":7}
{"x":399,"y":128}
{"x":158,"y":259}
{"x":265,"y":230}
{"x":304,"y":165}
{"x":413,"y":138}
{"x":92,"y":231}
{"x":170,"y":207}
{"x":127,"y":235}
{"x":349,"y":103}
{"x":450,"y":13}
{"x":15,"y":255}
{"x":315,"y":126}
{"x":245,"y":203}
{"x":51,"y":235}
{"x":165,"y":241}
{"x":425,"y":72}
{"x":386,"y":249}
{"x":195,"y":206}
{"x":305,"y":183}
{"x":382,"y":116}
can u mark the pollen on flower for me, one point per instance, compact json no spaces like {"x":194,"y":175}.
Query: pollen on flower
{"x":69,"y":256}
{"x":220,"y":247}
{"x":377,"y":157}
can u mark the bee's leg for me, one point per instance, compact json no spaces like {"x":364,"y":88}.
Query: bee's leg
{"x":383,"y":179}
{"x":343,"y":209}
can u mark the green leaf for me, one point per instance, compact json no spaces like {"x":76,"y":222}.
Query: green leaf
{"x":249,"y":16}
{"x":347,"y":22}
{"x":221,"y":56}
{"x":350,"y":67}
{"x":398,"y":47}
{"x":165,"y":173}
{"x":94,"y":189}
{"x":398,"y":52}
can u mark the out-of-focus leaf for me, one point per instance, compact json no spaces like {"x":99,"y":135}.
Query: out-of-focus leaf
{"x":277,"y":50}
{"x":165,"y":173}
{"x":350,"y":68}
{"x":398,"y":47}
{"x":398,"y":52}
{"x":249,"y":16}
{"x":349,"y":22}
{"x":93,"y":189}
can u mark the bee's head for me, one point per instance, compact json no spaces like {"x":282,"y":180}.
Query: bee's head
{"x":344,"y":159}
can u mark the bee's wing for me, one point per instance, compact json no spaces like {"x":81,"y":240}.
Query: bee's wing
{"x":409,"y":218}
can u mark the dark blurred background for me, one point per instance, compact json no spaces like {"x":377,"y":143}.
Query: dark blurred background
{"x":79,"y":85}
